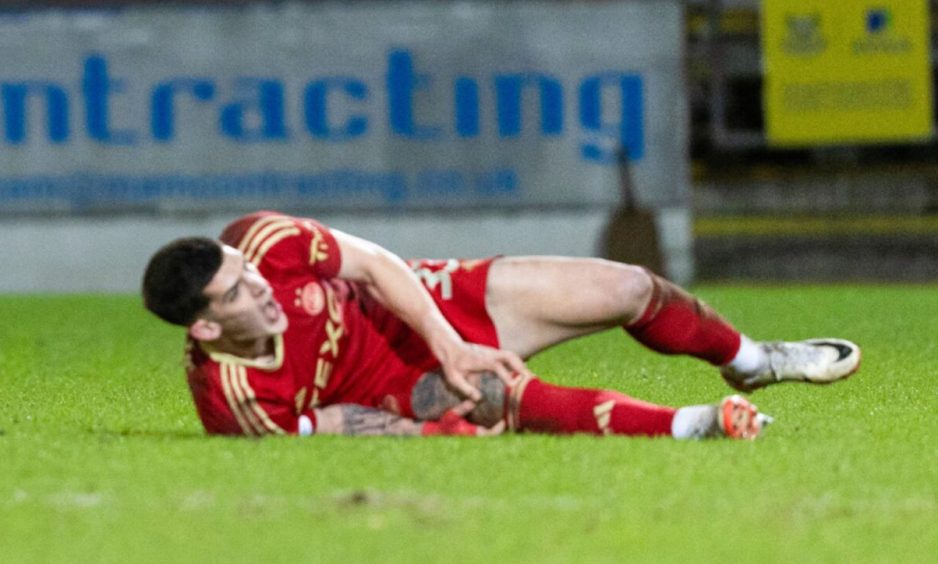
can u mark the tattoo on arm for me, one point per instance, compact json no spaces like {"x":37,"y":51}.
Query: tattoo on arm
{"x":352,"y":419}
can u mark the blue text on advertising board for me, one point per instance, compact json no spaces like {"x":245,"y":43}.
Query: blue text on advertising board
{"x":252,"y":109}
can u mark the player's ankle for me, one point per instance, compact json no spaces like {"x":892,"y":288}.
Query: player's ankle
{"x":695,"y":422}
{"x":750,"y":358}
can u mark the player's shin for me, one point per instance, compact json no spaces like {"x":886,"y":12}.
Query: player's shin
{"x":533,"y":405}
{"x":676,"y":322}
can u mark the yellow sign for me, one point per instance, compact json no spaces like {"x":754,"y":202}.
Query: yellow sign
{"x":846,"y":71}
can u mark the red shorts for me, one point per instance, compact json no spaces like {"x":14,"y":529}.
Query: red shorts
{"x":458,"y":288}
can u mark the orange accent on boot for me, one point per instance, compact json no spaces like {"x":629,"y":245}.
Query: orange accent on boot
{"x":739,"y":418}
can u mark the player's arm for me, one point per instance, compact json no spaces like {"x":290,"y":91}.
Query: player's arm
{"x":388,"y":277}
{"x":353,"y":419}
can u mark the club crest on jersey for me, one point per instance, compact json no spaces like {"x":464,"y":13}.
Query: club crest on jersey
{"x":311,"y":298}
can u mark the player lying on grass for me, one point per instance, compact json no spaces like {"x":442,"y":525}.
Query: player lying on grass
{"x":294,"y":328}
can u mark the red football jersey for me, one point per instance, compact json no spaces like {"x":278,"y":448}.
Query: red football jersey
{"x":341,"y":345}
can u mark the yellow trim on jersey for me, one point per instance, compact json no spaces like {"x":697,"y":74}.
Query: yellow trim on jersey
{"x":243,"y":401}
{"x":251,"y":401}
{"x":266,"y":364}
{"x":318,"y":248}
{"x":299,"y":400}
{"x":264,"y":233}
{"x":226,"y":385}
{"x":273,"y":240}
{"x":254,"y":228}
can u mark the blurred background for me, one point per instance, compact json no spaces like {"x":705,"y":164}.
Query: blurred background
{"x":730,"y":140}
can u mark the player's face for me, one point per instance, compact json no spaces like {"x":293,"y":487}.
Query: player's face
{"x":241,"y":301}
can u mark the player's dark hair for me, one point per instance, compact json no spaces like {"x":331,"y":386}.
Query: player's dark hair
{"x":176,"y":276}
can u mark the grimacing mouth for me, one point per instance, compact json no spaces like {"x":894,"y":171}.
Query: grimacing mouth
{"x":272,"y":310}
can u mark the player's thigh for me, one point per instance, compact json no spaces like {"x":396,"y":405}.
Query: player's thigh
{"x":536,"y":302}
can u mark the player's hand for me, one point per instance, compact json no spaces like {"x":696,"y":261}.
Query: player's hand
{"x":467,"y":359}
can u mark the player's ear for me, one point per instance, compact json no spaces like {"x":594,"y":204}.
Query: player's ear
{"x":205,"y":330}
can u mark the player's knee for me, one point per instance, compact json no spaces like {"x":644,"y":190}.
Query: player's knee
{"x":632,"y":289}
{"x":491,"y":409}
{"x":431,"y":398}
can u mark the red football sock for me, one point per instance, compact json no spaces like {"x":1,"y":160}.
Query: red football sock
{"x":534,"y":405}
{"x":676,"y":322}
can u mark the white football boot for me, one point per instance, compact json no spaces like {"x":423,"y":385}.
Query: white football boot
{"x":817,"y":361}
{"x":734,"y":418}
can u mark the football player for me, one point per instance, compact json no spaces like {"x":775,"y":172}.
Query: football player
{"x":296,"y":328}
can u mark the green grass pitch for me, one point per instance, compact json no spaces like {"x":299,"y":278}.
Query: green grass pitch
{"x":102,"y":458}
